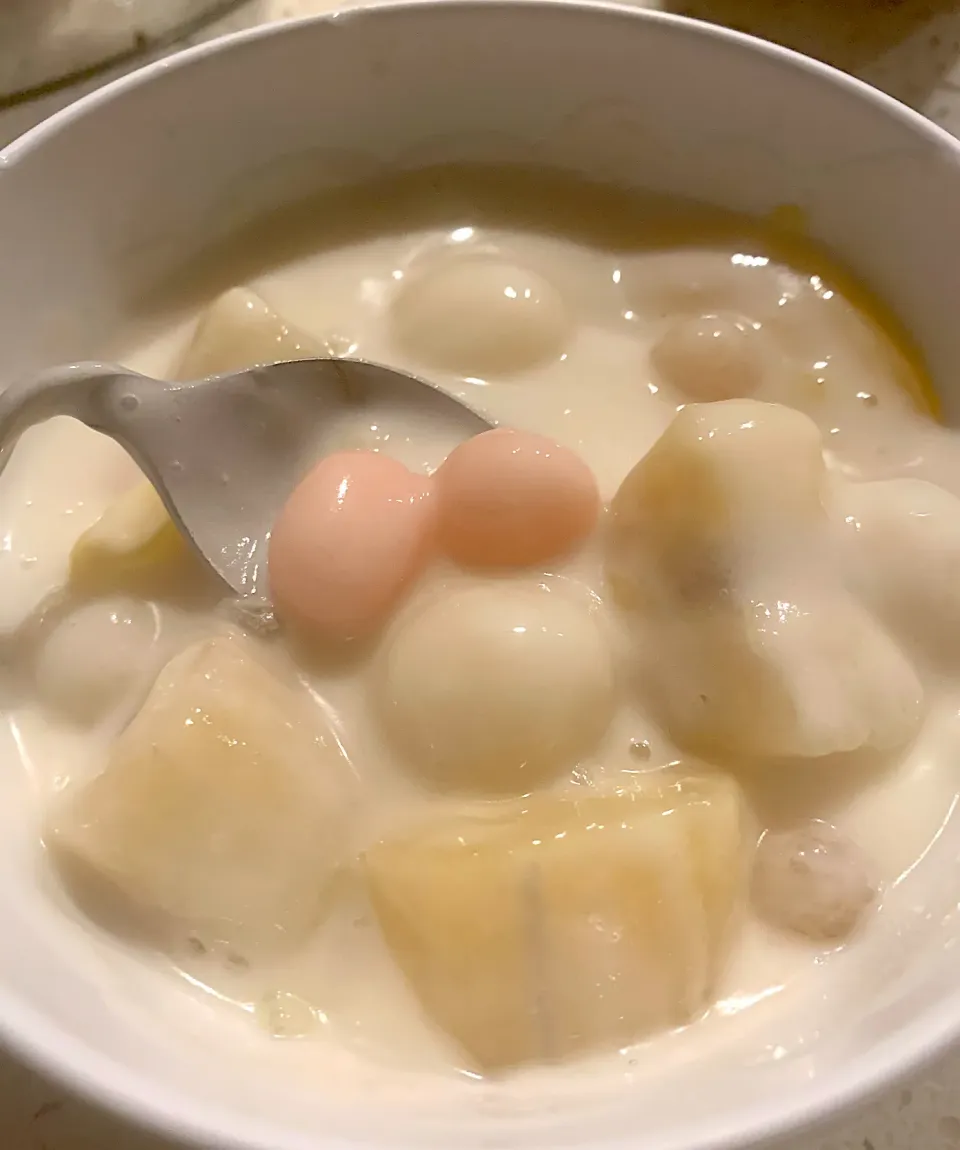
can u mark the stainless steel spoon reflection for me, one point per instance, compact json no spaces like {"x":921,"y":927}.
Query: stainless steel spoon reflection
{"x":223,"y":453}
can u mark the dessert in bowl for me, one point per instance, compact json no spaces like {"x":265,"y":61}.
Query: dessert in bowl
{"x":599,"y":756}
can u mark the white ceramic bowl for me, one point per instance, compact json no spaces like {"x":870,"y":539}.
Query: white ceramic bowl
{"x":102,"y":201}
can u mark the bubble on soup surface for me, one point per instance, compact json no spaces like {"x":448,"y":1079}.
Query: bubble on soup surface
{"x":511,"y":498}
{"x":711,"y":357}
{"x":240,"y":330}
{"x":286,"y":1015}
{"x":92,"y":658}
{"x":219,"y":815}
{"x":349,"y":541}
{"x":476,"y":315}
{"x":495,"y":687}
{"x":812,"y":880}
{"x":549,"y":927}
{"x":719,"y":551}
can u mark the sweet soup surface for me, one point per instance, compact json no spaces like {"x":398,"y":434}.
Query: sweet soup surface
{"x":621,"y":736}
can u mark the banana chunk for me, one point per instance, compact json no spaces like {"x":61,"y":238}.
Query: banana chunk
{"x":134,"y":540}
{"x":901,"y":544}
{"x":560,"y":925}
{"x":240,"y":330}
{"x":216,"y":823}
{"x":719,"y":551}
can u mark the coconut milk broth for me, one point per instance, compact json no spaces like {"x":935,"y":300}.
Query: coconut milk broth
{"x":333,"y":274}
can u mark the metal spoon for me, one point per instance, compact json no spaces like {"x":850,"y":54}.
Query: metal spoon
{"x":223,"y":453}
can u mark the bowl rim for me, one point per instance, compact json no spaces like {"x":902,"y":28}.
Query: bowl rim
{"x":37,"y":1039}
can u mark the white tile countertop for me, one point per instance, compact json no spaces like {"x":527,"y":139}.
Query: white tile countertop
{"x":911,"y":49}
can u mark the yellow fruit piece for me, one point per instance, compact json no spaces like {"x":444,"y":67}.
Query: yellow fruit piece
{"x":726,"y":484}
{"x":134,"y":538}
{"x":219,"y":816}
{"x":558,"y":925}
{"x":748,"y":641}
{"x":240,"y":330}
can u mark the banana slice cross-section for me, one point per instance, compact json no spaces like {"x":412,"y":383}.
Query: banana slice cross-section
{"x":240,"y":330}
{"x":132,"y":546}
{"x":746,"y":635}
{"x":556,"y":925}
{"x":900,"y":541}
{"x":217,"y":821}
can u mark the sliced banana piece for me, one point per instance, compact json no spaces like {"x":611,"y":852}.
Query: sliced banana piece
{"x":719,"y":550}
{"x":557,"y":925}
{"x":702,"y":503}
{"x":217,"y":823}
{"x":240,"y":330}
{"x":901,"y":545}
{"x":134,"y":540}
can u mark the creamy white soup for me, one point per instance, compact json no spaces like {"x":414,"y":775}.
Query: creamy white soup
{"x":620,"y":736}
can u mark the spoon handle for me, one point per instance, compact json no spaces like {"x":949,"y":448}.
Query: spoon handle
{"x":81,"y":391}
{"x":224,"y":453}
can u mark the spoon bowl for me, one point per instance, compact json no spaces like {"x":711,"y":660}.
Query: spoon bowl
{"x":224,"y":453}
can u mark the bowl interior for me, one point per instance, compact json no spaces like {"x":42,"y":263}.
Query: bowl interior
{"x":101,"y":205}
